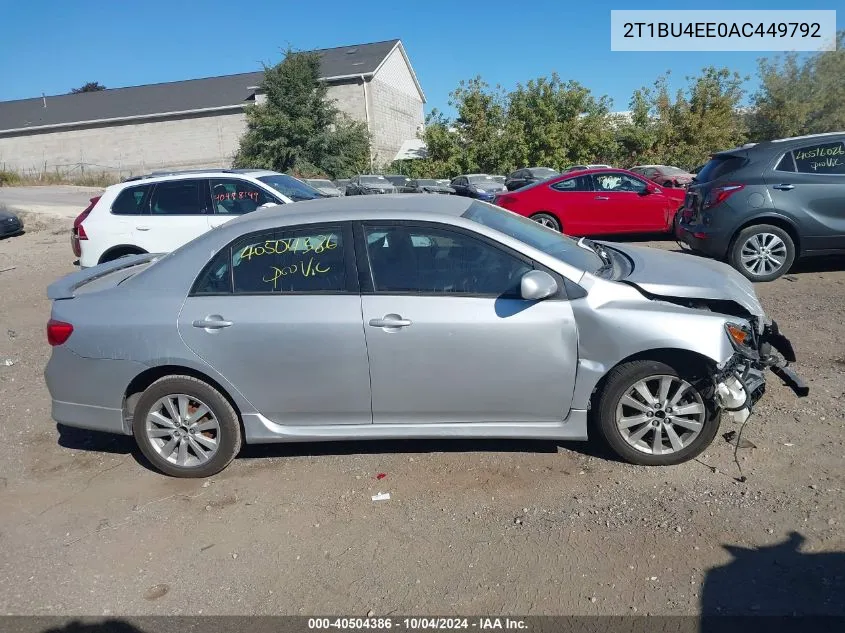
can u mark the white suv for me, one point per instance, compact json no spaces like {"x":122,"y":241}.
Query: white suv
{"x":160,"y":212}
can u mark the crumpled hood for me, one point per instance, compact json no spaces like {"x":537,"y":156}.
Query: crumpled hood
{"x":667,"y":274}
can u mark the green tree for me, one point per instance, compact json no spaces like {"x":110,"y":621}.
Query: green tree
{"x":298,"y":127}
{"x":553,"y":123}
{"x":702,"y":118}
{"x":800,"y":95}
{"x":91,"y":86}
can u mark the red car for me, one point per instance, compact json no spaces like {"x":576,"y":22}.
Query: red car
{"x":597,"y":202}
{"x":664,"y":175}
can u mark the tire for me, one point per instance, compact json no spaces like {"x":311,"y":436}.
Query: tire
{"x":751,"y":241}
{"x":548,"y":220}
{"x":611,"y":407}
{"x":226,"y":435}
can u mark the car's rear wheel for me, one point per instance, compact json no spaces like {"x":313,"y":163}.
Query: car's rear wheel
{"x":762,"y":252}
{"x":547,"y":220}
{"x":652,"y":414}
{"x":185,"y":427}
{"x":117,"y":253}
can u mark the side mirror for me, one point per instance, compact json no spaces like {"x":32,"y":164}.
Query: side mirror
{"x":268,"y":204}
{"x":536,"y":285}
{"x":651,"y":188}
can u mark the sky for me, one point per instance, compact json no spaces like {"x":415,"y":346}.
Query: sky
{"x":55,"y":46}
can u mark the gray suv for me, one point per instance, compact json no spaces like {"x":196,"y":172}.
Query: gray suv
{"x":762,"y":206}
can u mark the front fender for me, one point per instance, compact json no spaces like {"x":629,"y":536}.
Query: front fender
{"x":613,"y":329}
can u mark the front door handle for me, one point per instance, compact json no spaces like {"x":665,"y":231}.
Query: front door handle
{"x":602,"y":198}
{"x":784,"y":187}
{"x":212,"y":322}
{"x":143,"y":228}
{"x":390,"y":321}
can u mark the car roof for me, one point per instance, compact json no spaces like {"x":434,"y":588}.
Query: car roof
{"x":194,"y":173}
{"x":350,"y":208}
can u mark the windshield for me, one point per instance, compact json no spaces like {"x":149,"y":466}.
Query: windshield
{"x":673,"y":171}
{"x":428,"y":182}
{"x":289,"y":186}
{"x":543,"y":172}
{"x":550,"y":242}
{"x":374,"y":180}
{"x":320,"y":183}
{"x":482,"y":180}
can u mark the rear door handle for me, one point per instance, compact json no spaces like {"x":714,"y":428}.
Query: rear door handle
{"x":602,"y":198}
{"x":390,"y":320}
{"x":143,"y":228}
{"x":212,"y":322}
{"x":784,"y":187}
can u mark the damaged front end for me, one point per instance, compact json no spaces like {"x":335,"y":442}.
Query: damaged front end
{"x":741,"y":382}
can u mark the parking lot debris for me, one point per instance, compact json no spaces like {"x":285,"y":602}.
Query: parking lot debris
{"x":11,"y":334}
{"x":156,"y":591}
{"x":8,"y":362}
{"x":382,"y":496}
{"x":5,"y":270}
{"x":790,"y":277}
{"x":381,"y":475}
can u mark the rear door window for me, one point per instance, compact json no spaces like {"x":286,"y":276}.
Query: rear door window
{"x":308,"y":259}
{"x":131,"y":200}
{"x":820,"y":158}
{"x":719,"y":166}
{"x":181,"y":197}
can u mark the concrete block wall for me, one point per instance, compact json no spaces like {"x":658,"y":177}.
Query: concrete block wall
{"x":395,"y":117}
{"x":349,"y":99}
{"x":127,"y":149}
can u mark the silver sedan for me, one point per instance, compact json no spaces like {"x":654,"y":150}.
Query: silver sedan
{"x":407,"y":316}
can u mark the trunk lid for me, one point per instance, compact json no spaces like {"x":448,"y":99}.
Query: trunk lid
{"x":100,"y":277}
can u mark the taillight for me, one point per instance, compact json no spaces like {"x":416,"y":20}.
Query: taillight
{"x":719,"y":194}
{"x":58,"y":332}
{"x":78,"y":231}
{"x":503,"y":200}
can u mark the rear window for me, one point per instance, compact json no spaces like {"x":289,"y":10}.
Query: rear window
{"x":720,"y":166}
{"x":130,"y":201}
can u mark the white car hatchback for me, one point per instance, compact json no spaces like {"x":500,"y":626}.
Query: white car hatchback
{"x":160,"y":212}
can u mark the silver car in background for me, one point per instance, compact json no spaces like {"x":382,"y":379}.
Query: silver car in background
{"x":406,"y":316}
{"x":325,"y":187}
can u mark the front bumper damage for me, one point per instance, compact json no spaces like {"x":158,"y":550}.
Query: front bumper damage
{"x":741,"y":382}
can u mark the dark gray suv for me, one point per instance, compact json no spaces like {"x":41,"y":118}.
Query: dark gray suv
{"x":761,"y":206}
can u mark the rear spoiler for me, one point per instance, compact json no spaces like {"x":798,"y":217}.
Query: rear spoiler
{"x":65,"y":287}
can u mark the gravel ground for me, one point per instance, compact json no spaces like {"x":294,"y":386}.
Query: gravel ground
{"x":471,"y":526}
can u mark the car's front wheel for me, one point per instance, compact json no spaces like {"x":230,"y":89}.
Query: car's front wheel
{"x":185,"y":427}
{"x":652,"y":414}
{"x":762,"y":252}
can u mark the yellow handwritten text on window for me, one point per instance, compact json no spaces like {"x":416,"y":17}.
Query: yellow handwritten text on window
{"x":306,"y":269}
{"x":299,"y":245}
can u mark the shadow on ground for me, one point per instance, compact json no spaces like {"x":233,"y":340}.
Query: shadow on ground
{"x":94,"y":441}
{"x":778,"y":580}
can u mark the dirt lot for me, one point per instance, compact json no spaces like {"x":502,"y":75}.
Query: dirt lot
{"x":471,"y":527}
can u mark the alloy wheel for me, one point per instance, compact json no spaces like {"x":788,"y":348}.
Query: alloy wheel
{"x":660,"y":414}
{"x":763,"y":254}
{"x":183,"y":430}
